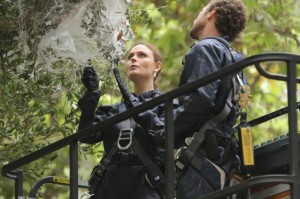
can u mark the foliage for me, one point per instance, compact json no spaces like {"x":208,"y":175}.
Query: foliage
{"x":38,"y":105}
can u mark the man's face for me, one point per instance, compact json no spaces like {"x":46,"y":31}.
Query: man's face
{"x":199,"y":24}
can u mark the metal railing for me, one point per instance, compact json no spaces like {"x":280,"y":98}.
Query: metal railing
{"x":293,"y":178}
{"x":53,"y":180}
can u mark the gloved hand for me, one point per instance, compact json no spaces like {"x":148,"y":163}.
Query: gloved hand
{"x":90,"y":79}
{"x":129,"y":99}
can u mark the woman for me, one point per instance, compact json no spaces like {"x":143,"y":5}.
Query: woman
{"x":125,"y":174}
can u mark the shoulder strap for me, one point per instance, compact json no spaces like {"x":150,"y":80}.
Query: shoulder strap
{"x":223,"y":90}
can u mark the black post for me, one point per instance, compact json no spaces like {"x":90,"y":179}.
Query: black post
{"x":292,"y":121}
{"x":19,"y":185}
{"x":74,"y":169}
{"x":169,"y":146}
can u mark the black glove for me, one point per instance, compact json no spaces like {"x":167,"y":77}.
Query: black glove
{"x":129,"y":99}
{"x":90,"y":79}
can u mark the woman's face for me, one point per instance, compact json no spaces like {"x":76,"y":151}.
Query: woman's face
{"x":141,"y":65}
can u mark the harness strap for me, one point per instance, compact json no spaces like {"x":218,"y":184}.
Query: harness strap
{"x":138,"y":149}
{"x":100,"y":168}
{"x":156,"y":180}
{"x":190,"y":151}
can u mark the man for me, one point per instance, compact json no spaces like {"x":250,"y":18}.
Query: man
{"x":206,"y":163}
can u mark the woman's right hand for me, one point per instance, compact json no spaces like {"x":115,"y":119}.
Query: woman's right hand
{"x":90,"y":79}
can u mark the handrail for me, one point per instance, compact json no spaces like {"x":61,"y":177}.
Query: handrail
{"x":290,"y":59}
{"x":270,"y":116}
{"x":53,"y":180}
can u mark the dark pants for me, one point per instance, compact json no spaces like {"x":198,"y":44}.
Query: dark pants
{"x":193,"y":183}
{"x":125,"y":182}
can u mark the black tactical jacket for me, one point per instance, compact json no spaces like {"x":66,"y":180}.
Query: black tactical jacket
{"x":122,"y":178}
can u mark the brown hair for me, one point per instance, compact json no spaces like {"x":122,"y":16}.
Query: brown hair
{"x":231,"y":16}
{"x":157,"y":58}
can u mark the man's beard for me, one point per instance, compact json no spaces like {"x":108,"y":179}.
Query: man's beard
{"x":196,"y":31}
{"x":193,"y":35}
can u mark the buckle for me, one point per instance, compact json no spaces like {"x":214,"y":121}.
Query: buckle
{"x":125,"y":135}
{"x":178,"y":152}
{"x":178,"y":162}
